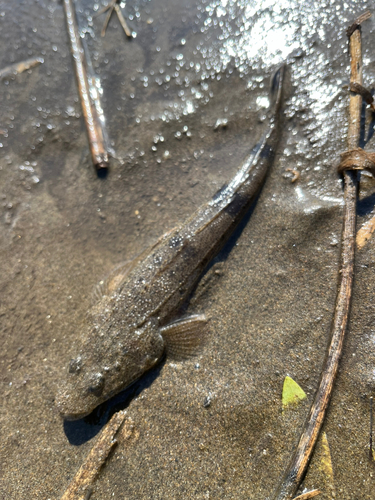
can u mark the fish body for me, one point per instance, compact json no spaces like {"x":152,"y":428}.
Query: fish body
{"x":132,"y":324}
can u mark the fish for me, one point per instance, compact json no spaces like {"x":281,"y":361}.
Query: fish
{"x":135,"y":323}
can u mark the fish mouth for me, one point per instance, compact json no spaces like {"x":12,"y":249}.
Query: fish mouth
{"x":69,"y":416}
{"x":68,"y":410}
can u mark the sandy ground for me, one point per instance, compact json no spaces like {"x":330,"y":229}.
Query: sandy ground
{"x":271,"y":299}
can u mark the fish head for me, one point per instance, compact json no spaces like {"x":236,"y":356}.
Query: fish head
{"x":109,"y":362}
{"x":81,"y":390}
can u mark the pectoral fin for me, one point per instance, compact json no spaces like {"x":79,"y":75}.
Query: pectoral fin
{"x":184,"y":337}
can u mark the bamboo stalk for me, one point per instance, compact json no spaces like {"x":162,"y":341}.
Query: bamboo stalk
{"x":95,"y":133}
{"x":297,"y":467}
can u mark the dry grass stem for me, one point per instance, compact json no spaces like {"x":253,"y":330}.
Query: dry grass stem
{"x":307,"y":495}
{"x":297,"y":467}
{"x":95,"y":133}
{"x":20,"y":67}
{"x":113,"y":5}
{"x":121,"y":18}
{"x":81,"y":485}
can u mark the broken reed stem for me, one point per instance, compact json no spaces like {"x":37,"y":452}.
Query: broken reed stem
{"x":123,"y":23}
{"x":114,"y":6}
{"x":20,"y":67}
{"x":302,"y":455}
{"x":371,"y":454}
{"x":308,"y":495}
{"x":110,"y":7}
{"x":99,"y":153}
{"x":81,"y":485}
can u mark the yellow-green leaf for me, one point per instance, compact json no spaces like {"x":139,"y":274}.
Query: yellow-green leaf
{"x":292,"y":392}
{"x":326,"y":461}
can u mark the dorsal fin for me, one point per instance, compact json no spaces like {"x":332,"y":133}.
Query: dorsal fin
{"x":112,"y":281}
{"x":115,"y":279}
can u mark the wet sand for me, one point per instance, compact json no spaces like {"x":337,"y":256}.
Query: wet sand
{"x":212,"y":426}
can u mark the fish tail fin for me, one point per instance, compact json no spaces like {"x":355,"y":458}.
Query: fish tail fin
{"x":276,"y":91}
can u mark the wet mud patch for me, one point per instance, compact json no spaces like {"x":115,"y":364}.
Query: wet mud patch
{"x":212,"y":426}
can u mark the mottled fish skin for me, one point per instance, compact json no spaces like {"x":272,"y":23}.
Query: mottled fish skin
{"x":131,"y":323}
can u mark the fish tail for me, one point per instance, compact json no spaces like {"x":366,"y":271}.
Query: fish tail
{"x":276,"y":91}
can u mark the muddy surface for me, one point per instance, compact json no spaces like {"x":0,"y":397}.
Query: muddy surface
{"x":212,"y":426}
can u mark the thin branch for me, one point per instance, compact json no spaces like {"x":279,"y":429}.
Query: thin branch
{"x":364,"y":234}
{"x":110,"y":7}
{"x":365,"y":93}
{"x":81,"y":485}
{"x":371,"y":451}
{"x":357,"y":23}
{"x":95,"y":133}
{"x":20,"y":67}
{"x":302,"y":455}
{"x":113,"y":5}
{"x":123,"y":23}
{"x":308,"y":495}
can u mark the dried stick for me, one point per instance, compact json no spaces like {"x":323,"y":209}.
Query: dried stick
{"x":113,"y":5}
{"x":365,"y":93}
{"x":357,"y":23}
{"x":371,"y":450}
{"x":20,"y":67}
{"x":81,"y":485}
{"x":123,"y":23}
{"x":364,"y":234}
{"x":302,"y":455}
{"x":99,"y":153}
{"x":308,"y":495}
{"x":110,"y":7}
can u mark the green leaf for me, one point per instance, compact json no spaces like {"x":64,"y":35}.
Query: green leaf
{"x":292,"y":392}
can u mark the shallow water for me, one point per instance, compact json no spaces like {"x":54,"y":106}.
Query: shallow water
{"x":192,"y":65}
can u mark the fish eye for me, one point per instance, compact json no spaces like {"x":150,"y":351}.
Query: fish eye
{"x":75,"y":365}
{"x":96,"y":384}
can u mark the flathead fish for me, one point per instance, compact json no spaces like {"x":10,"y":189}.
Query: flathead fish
{"x":134,"y":323}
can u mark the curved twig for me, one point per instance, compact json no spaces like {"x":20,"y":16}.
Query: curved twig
{"x":302,"y":455}
{"x":81,"y":485}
